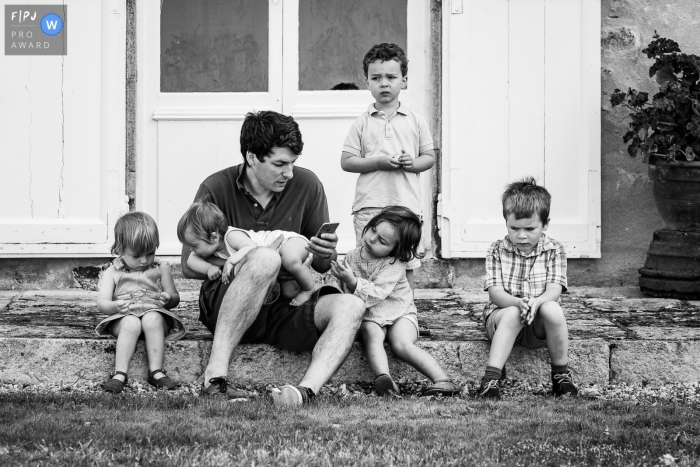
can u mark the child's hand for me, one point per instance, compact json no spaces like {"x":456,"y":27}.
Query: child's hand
{"x":341,"y":273}
{"x":406,"y":161}
{"x":524,"y":309}
{"x":388,"y":162}
{"x":122,"y":306}
{"x":534,"y":305}
{"x":213,"y":273}
{"x":226,"y":275}
{"x":164,"y":298}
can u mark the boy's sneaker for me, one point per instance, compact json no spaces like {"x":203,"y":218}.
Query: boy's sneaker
{"x":292,"y":395}
{"x":489,"y":389}
{"x":563,"y":384}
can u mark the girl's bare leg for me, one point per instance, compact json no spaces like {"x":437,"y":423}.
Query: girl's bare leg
{"x":154,"y":329}
{"x":373,"y":337}
{"x":294,"y":254}
{"x":127,"y":331}
{"x":402,"y":337}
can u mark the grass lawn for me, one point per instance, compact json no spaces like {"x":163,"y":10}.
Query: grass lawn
{"x":158,"y":429}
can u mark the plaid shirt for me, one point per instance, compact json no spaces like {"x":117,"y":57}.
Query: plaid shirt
{"x":524,"y":275}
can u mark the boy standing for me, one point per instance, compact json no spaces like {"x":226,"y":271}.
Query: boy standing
{"x":389,"y":145}
{"x":525,"y":275}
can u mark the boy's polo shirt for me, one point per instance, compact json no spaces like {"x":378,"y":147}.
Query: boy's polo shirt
{"x":301,"y":207}
{"x":375,"y":134}
{"x":523,"y":275}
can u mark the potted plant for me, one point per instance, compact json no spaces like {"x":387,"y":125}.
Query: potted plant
{"x":666,"y":133}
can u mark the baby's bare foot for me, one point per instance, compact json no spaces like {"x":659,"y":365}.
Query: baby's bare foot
{"x":301,"y":297}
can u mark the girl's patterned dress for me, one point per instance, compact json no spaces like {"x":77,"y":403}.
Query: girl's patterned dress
{"x":142,"y":290}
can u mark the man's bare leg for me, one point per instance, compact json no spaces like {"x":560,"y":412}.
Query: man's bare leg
{"x":240,"y":306}
{"x":338,"y":317}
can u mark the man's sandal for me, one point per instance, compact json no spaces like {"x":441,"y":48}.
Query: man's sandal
{"x":164,"y":382}
{"x":384,"y":385}
{"x":218,"y":387}
{"x":441,"y":388}
{"x":114,"y":385}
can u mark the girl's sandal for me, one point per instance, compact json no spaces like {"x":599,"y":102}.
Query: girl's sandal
{"x":384,"y":385}
{"x":442,"y":388}
{"x":164,"y":382}
{"x":114,"y":385}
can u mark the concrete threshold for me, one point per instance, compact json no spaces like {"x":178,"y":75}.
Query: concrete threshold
{"x":616,"y":335}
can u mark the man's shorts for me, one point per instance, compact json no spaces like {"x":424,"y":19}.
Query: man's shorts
{"x":526,"y":337}
{"x":360,"y":220}
{"x":278,"y":323}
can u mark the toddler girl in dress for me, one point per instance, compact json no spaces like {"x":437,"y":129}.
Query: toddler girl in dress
{"x":138,"y":292}
{"x":376,"y":272}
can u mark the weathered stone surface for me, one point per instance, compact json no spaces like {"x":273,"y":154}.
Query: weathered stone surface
{"x":587,"y":359}
{"x":655,"y":362}
{"x":28,"y":360}
{"x":49,"y":336}
{"x":618,"y":38}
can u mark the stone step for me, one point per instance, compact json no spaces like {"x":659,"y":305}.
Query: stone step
{"x":616,"y":335}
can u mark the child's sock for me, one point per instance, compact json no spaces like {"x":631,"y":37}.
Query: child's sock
{"x":492,"y":372}
{"x":560,"y":368}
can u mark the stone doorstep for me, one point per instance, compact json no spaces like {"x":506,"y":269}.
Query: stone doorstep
{"x":616,"y":335}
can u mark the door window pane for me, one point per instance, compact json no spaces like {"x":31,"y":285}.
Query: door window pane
{"x":213,"y":46}
{"x":334,"y":36}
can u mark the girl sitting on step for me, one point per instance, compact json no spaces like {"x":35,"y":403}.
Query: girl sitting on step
{"x":376,"y":272}
{"x":138,"y":292}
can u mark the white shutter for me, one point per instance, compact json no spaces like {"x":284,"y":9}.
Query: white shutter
{"x":521,"y":96}
{"x":62,"y":139}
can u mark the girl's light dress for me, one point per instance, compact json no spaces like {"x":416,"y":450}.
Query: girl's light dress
{"x":382,"y":284}
{"x":141,"y":289}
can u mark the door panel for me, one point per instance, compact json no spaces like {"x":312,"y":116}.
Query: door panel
{"x":223,"y":60}
{"x":62,"y":139}
{"x":191,"y":130}
{"x":528,"y":104}
{"x":325,"y":116}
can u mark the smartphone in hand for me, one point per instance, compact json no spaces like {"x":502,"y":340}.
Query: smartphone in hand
{"x":328,"y":227}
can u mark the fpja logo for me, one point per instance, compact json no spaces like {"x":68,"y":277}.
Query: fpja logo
{"x":36,"y":30}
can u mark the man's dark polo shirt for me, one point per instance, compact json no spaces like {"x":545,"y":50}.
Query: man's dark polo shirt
{"x":301,"y":207}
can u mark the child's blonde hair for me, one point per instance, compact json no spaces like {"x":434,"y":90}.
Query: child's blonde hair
{"x":202,"y":218}
{"x":136,"y":231}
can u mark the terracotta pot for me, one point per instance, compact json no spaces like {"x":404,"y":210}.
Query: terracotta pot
{"x":676,"y":188}
{"x":672,"y":268}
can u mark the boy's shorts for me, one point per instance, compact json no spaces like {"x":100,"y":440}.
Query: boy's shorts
{"x":362,"y":217}
{"x":278,"y":323}
{"x":526,"y":337}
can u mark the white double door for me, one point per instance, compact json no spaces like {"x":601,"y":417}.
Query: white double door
{"x":203,"y":65}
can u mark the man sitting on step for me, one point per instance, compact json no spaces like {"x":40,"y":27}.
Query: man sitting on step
{"x":267,"y":192}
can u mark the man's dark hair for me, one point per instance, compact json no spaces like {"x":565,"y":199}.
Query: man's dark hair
{"x":524,"y":198}
{"x":266,"y":130}
{"x":386,"y":52}
{"x":345,"y":87}
{"x":407,"y":225}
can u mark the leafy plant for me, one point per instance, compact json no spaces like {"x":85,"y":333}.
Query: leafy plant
{"x":669,"y":125}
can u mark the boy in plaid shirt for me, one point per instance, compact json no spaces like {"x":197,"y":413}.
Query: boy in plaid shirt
{"x":525,"y":275}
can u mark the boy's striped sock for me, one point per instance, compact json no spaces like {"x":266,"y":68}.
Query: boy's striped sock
{"x":560,"y":368}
